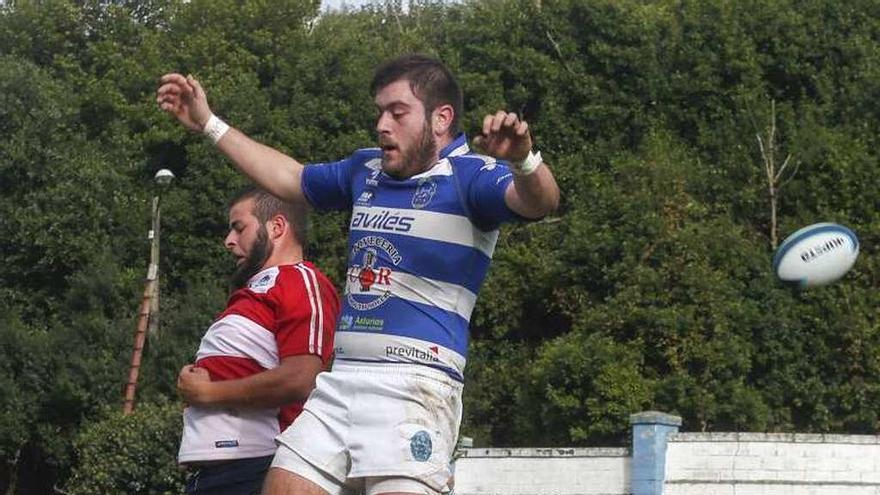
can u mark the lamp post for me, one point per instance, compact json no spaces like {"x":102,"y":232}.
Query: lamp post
{"x":150,"y":300}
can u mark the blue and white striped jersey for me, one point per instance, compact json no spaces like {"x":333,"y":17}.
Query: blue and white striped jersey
{"x":419,"y":250}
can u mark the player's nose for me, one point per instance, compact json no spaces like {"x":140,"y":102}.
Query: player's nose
{"x":383,"y":123}
{"x":229,"y":241}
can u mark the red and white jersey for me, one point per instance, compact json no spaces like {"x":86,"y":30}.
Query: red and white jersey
{"x":285,"y":310}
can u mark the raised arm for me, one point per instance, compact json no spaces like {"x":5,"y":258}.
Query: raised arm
{"x":276,"y":172}
{"x":533,"y":192}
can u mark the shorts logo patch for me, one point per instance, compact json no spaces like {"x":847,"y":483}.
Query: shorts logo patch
{"x":420,"y":446}
{"x":226,"y":444}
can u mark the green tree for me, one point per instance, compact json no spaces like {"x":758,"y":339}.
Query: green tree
{"x":652,"y":287}
{"x":134,"y":454}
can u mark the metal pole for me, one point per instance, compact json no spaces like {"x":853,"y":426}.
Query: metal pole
{"x":153,"y":321}
{"x":144,"y":317}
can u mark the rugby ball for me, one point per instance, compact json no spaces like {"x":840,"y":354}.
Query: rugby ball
{"x":815,"y":255}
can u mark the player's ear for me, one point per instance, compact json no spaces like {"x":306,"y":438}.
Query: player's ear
{"x":277,"y":226}
{"x":441,"y":119}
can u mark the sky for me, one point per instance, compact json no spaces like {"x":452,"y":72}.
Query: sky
{"x":336,"y":4}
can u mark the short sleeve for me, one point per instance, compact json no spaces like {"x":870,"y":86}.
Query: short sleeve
{"x":306,"y":307}
{"x":327,"y":186}
{"x":485,"y":189}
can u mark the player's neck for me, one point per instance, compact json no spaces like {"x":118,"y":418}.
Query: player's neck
{"x":284,"y":255}
{"x":440,"y":143}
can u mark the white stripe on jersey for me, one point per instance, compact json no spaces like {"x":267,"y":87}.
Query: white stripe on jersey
{"x":444,"y":166}
{"x":489,"y":161}
{"x":441,"y":168}
{"x":237,"y":336}
{"x":443,"y":295}
{"x":461,"y":150}
{"x":381,"y":347}
{"x":316,"y":324}
{"x":429,"y":225}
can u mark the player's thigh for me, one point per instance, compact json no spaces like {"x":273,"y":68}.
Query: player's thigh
{"x":281,"y":482}
{"x":387,"y":485}
{"x":290,"y":461}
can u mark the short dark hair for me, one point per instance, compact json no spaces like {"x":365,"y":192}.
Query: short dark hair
{"x":267,"y":206}
{"x":430,"y":80}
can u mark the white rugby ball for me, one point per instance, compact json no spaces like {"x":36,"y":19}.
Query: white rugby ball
{"x":815,"y":255}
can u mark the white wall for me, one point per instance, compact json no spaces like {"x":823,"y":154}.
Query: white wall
{"x":772,"y":464}
{"x":559,"y":471}
{"x":696,"y":464}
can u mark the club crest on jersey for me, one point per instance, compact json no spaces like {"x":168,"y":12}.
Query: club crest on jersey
{"x":369,"y":279}
{"x":424,"y":193}
{"x":262,"y":283}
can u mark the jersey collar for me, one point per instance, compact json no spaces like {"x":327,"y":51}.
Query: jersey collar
{"x":458,"y":146}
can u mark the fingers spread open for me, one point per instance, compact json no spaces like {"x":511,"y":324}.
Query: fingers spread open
{"x":487,"y":125}
{"x":510,"y":120}
{"x":195,"y":88}
{"x":498,"y":120}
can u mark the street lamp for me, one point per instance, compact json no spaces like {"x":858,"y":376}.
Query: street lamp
{"x":149,"y":310}
{"x":163,"y":178}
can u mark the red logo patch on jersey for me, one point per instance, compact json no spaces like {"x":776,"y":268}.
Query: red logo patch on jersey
{"x":368,"y":279}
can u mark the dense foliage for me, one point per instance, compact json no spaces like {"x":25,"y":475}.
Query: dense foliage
{"x":650,"y":289}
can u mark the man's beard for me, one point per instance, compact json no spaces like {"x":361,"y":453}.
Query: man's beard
{"x":419,"y":158}
{"x":253,"y":263}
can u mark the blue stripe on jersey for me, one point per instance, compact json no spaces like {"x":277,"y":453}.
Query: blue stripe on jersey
{"x":411,"y":319}
{"x":454,"y":374}
{"x":398,"y":194}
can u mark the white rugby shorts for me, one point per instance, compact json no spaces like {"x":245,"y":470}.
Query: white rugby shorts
{"x":366,"y":423}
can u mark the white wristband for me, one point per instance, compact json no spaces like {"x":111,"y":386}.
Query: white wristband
{"x":527,"y":166}
{"x":215,"y":128}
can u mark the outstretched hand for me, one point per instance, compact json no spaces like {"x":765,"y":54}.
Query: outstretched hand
{"x":504,"y":136}
{"x":184,"y":98}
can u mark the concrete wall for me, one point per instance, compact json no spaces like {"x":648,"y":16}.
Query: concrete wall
{"x":542,"y":472}
{"x":772,"y":464}
{"x":663,"y":461}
